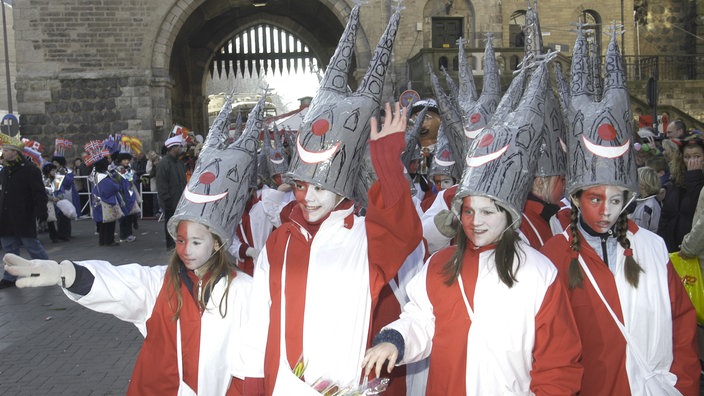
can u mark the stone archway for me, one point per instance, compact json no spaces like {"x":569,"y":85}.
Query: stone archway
{"x":191,"y":32}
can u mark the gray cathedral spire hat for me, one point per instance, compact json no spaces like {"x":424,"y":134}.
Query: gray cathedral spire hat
{"x":552,"y":153}
{"x":501,"y":161}
{"x":599,"y":141}
{"x":219,"y":187}
{"x":277,"y":159}
{"x":444,"y":162}
{"x":332,"y":138}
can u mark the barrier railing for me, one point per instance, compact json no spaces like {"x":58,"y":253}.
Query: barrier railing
{"x":89,"y":184}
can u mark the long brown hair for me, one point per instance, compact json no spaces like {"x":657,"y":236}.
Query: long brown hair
{"x":506,"y":249}
{"x":631,"y":268}
{"x":219,"y":265}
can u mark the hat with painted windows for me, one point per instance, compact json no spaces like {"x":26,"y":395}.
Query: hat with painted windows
{"x":331,"y":142}
{"x":218,"y":190}
{"x":501,"y":161}
{"x":600,"y":140}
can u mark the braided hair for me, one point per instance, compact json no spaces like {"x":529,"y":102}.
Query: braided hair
{"x":632,"y":269}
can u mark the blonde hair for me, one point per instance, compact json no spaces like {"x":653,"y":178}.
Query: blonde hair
{"x":648,"y":181}
{"x":219,"y":265}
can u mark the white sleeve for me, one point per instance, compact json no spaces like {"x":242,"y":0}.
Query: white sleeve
{"x":127,"y":291}
{"x":417,"y":321}
{"x":435,"y":239}
{"x":234,"y":248}
{"x":273,"y":203}
{"x":260,"y":224}
{"x":256,"y":327}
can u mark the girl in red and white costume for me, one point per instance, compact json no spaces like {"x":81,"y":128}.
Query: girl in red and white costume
{"x":332,"y":265}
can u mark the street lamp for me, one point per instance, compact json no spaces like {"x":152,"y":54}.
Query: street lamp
{"x":7,"y":60}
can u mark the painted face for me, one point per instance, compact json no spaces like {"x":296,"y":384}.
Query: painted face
{"x":600,"y":206}
{"x":194,"y":244}
{"x":442,"y":182}
{"x":482,"y":220}
{"x":315,"y":202}
{"x":429,"y":130}
{"x":278,"y":179}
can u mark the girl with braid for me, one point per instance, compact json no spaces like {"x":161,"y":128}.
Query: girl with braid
{"x":490,"y":311}
{"x":636,"y":323}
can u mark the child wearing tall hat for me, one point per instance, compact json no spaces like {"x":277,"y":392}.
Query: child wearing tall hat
{"x":490,"y":311}
{"x":636,"y":323}
{"x":191,"y":311}
{"x":317,"y":281}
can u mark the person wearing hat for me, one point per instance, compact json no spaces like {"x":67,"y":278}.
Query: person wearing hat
{"x":49,"y":173}
{"x":636,"y":323}
{"x":317,"y":281}
{"x":23,"y":200}
{"x":170,"y":181}
{"x":129,"y":197}
{"x":67,"y":189}
{"x":489,"y":310}
{"x":191,"y":311}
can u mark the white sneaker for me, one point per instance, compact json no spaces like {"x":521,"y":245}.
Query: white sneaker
{"x":130,"y":238}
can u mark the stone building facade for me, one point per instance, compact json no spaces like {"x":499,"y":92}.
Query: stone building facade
{"x":88,"y":68}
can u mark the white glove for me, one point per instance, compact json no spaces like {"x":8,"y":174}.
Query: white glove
{"x":446,"y":222}
{"x":37,"y":273}
{"x":252,"y":252}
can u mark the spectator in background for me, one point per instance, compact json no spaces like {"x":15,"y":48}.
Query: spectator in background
{"x":676,"y":129}
{"x":151,"y":201}
{"x":170,"y":181}
{"x":22,"y":202}
{"x":647,"y":212}
{"x":682,"y":192}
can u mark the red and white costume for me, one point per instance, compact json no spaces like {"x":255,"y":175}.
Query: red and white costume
{"x":332,"y":278}
{"x":253,"y":231}
{"x":193,"y":355}
{"x":523,"y":340}
{"x":658,"y":316}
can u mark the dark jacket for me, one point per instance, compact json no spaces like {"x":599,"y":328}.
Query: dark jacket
{"x":170,"y":181}
{"x":22,"y":199}
{"x":678,"y":209}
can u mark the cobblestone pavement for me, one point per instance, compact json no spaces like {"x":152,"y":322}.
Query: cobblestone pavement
{"x":50,"y":345}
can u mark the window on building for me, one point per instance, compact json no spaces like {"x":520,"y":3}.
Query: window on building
{"x":591,"y":26}
{"x":515,"y":28}
{"x":446,"y":32}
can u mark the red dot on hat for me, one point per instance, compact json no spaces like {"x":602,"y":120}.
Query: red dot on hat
{"x":606,"y":132}
{"x":320,"y":127}
{"x":486,"y":140}
{"x":474,"y":118}
{"x":277,"y":156}
{"x":445,"y":154}
{"x":206,"y":178}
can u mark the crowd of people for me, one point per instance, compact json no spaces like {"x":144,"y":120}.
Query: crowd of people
{"x":465,"y":244}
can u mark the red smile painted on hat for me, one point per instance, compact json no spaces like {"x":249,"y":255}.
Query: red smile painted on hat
{"x":486,"y":158}
{"x":606,"y":132}
{"x":205,"y":178}
{"x":319,"y":128}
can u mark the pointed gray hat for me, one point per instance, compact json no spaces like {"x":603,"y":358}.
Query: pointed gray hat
{"x":332,"y":138}
{"x":599,"y":138}
{"x":218,"y":190}
{"x":501,"y":162}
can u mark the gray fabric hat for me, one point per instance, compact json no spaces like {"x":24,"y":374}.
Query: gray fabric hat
{"x":332,"y":138}
{"x":599,"y":141}
{"x":219,"y":187}
{"x":501,"y":162}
